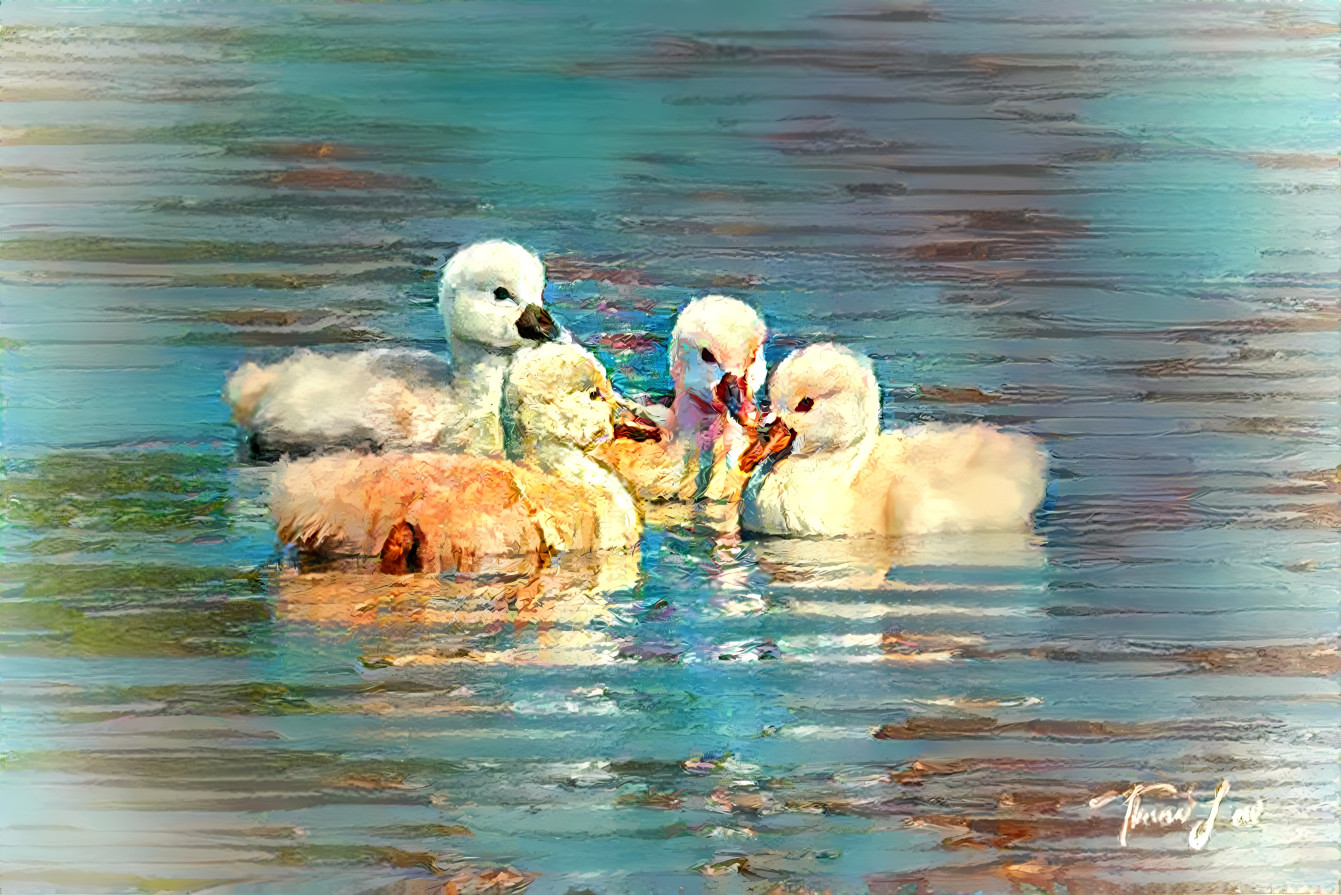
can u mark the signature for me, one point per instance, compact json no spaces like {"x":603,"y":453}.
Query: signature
{"x":1166,"y":816}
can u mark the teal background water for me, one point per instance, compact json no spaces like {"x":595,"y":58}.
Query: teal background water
{"x":1117,"y":222}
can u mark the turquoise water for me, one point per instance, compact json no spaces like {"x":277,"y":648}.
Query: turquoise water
{"x":1112,"y":225}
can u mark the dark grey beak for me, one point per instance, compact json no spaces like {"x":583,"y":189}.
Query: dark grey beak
{"x":536,"y":324}
{"x":734,"y":395}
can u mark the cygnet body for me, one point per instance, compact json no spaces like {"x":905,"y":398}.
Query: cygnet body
{"x":492,"y":305}
{"x":716,"y":358}
{"x":437,"y":512}
{"x":840,"y":475}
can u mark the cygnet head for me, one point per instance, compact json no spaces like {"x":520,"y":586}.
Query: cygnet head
{"x":716,"y":337}
{"x":828,"y":395}
{"x":558,"y":393}
{"x":492,"y":295}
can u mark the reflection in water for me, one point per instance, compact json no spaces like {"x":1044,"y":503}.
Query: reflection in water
{"x":867,"y":563}
{"x":560,"y":616}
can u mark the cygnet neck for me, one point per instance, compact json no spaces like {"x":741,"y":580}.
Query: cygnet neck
{"x":477,"y":383}
{"x":558,"y":458}
{"x":845,"y":462}
{"x":691,"y":419}
{"x":710,"y":441}
{"x":472,"y":357}
{"x":552,"y":455}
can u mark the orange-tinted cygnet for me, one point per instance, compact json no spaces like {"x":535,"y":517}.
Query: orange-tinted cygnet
{"x":835,"y":473}
{"x":717,"y":364}
{"x":437,"y":512}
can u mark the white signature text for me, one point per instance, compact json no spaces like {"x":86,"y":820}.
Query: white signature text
{"x":1164,"y":817}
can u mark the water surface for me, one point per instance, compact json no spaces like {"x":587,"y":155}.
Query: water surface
{"x":1112,"y":225}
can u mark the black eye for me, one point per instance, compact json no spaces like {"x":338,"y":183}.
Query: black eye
{"x":502,"y":294}
{"x":595,"y":394}
{"x":804,"y":405}
{"x":708,"y":356}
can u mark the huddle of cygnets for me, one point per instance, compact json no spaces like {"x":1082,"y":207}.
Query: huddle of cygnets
{"x":527,"y":450}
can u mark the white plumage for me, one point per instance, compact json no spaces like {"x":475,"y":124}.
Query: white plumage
{"x":491,"y":300}
{"x":844,"y":477}
{"x":716,"y":346}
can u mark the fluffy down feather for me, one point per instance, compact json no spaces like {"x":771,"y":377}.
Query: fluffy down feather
{"x":464,"y":510}
{"x":309,"y":401}
{"x":715,"y":340}
{"x":437,"y":512}
{"x":844,"y":477}
{"x":491,"y":297}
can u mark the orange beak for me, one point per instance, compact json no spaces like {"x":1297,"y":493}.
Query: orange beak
{"x":775,"y":440}
{"x":633,"y":427}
